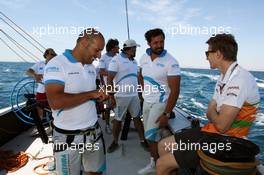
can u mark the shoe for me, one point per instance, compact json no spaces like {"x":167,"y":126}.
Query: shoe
{"x":112,"y":147}
{"x":108,"y":129}
{"x":150,"y":168}
{"x":144,"y":145}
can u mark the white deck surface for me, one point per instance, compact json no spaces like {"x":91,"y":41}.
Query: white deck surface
{"x":128,"y":159}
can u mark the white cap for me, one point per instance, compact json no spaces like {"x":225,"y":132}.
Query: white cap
{"x":130,"y":43}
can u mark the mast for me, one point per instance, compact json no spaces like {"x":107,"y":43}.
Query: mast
{"x":128,"y":35}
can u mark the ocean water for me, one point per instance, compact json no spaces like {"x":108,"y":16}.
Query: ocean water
{"x":197,"y":88}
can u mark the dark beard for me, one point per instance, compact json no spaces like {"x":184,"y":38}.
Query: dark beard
{"x":158,"y":52}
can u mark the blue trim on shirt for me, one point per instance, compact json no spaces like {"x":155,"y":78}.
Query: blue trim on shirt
{"x":123,"y":55}
{"x":102,"y":168}
{"x":68,"y":54}
{"x":163,"y":53}
{"x":54,"y":82}
{"x":126,"y":76}
{"x":152,"y":81}
{"x":109,"y":54}
{"x":59,"y":112}
{"x":151,"y":134}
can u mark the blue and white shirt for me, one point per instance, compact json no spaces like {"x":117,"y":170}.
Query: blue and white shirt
{"x":39,"y":69}
{"x":76,"y":78}
{"x":104,"y":62}
{"x":155,"y":74}
{"x":126,"y":75}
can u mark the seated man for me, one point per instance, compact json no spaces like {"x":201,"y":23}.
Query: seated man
{"x":231,"y":111}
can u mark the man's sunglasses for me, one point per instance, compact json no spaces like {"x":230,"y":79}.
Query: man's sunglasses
{"x":209,"y":51}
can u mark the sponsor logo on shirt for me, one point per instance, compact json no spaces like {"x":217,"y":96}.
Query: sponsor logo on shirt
{"x":91,"y":72}
{"x":160,"y":65}
{"x":231,"y":94}
{"x":233,"y":87}
{"x":52,"y":69}
{"x":73,"y":73}
{"x":175,"y":65}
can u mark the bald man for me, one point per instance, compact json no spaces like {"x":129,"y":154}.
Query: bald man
{"x":71,"y":91}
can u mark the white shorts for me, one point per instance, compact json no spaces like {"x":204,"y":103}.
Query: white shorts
{"x":124,"y":104}
{"x":88,"y":155}
{"x":151,"y":112}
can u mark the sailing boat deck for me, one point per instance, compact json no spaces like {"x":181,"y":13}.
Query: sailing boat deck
{"x":128,"y":159}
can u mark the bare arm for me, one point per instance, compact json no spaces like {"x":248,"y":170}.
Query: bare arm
{"x":174,"y":85}
{"x":224,"y":119}
{"x":59,"y":99}
{"x":30,"y":72}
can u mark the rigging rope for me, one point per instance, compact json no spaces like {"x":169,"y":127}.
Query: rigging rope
{"x":23,"y":30}
{"x":14,"y":51}
{"x":22,"y":48}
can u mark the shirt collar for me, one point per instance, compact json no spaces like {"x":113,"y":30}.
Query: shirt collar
{"x":228,"y":73}
{"x":162,"y":54}
{"x":123,"y":55}
{"x":109,"y":54}
{"x":68,"y":54}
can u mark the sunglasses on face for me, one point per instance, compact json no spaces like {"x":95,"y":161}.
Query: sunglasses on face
{"x":209,"y":51}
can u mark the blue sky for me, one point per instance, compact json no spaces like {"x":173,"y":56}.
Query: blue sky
{"x":187,"y":25}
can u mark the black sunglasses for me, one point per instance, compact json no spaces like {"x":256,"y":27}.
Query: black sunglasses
{"x":209,"y":51}
{"x":53,"y":54}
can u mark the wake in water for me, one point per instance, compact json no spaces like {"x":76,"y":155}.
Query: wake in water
{"x":200,"y":75}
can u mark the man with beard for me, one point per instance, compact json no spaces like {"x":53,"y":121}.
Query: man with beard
{"x":71,"y":90}
{"x":123,"y":74}
{"x":160,"y":78}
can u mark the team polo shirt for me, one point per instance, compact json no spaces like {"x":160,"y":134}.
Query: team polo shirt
{"x":96,"y":65}
{"x":126,"y":71}
{"x":39,"y":69}
{"x":76,"y":78}
{"x":104,"y":63}
{"x":237,"y":88}
{"x":155,"y":74}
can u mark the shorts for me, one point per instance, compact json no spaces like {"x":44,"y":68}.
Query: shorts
{"x":124,"y":104}
{"x":86,"y":152}
{"x":42,"y":99}
{"x":187,"y":158}
{"x":151,"y":112}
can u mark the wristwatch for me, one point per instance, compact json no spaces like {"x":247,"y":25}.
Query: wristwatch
{"x":167,"y":114}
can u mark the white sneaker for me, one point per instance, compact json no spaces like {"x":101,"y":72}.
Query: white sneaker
{"x":150,"y":168}
{"x":108,"y":129}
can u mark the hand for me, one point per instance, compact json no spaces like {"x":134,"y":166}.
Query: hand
{"x":102,"y":96}
{"x":38,"y":77}
{"x":163,"y":121}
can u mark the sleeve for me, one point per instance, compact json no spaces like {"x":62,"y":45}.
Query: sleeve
{"x":35,"y":67}
{"x":102,"y":63}
{"x":54,"y":73}
{"x":141,"y":61}
{"x":173,"y":68}
{"x":235,"y":94}
{"x":215,"y":92}
{"x":113,"y":66}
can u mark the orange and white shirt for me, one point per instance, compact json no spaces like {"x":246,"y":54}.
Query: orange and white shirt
{"x":237,"y":88}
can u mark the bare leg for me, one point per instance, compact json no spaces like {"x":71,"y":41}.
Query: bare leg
{"x":139,"y":126}
{"x":116,"y":130}
{"x":165,"y":145}
{"x":153,"y":148}
{"x":166,"y":165}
